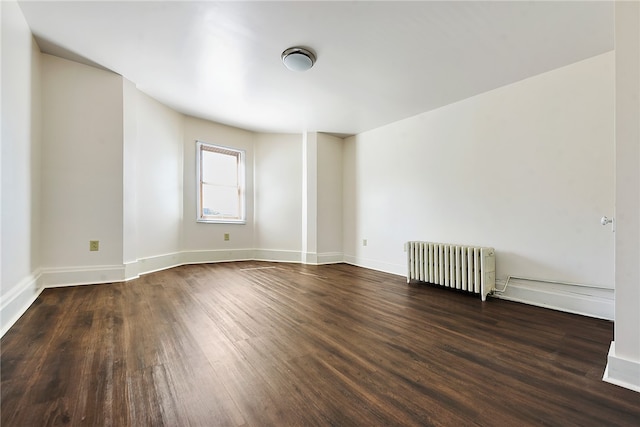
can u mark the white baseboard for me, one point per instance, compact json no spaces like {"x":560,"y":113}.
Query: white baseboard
{"x":71,"y":276}
{"x":330,"y":258}
{"x":622,"y":372}
{"x":277,"y":255}
{"x":220,"y":255}
{"x":385,"y":267}
{"x":19,"y":298}
{"x":156,"y":263}
{"x":131,"y":270}
{"x":89,"y":275}
{"x":162,"y":262}
{"x":311,"y":258}
{"x":586,"y":301}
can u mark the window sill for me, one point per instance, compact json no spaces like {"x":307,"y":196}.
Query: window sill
{"x":221,"y":221}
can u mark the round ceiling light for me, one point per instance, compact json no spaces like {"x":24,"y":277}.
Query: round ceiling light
{"x":298,"y":59}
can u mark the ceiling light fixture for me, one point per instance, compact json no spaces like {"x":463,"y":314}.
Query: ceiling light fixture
{"x":298,"y":59}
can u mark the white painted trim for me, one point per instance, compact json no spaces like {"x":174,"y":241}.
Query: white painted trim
{"x":20,"y":288}
{"x":131,"y":270}
{"x":385,"y":267}
{"x":71,"y":276}
{"x":586,"y":301}
{"x":89,"y":275}
{"x":16,"y":302}
{"x":309,"y":258}
{"x":622,"y":372}
{"x":158,"y":262}
{"x":330,"y":258}
{"x":219,"y":255}
{"x":276,"y":255}
{"x":151,"y":264}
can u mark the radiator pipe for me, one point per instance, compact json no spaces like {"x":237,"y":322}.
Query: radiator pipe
{"x":546,"y":281}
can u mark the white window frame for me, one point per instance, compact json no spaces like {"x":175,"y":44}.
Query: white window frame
{"x":241,"y":156}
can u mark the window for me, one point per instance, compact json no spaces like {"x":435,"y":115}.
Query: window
{"x":221,"y":195}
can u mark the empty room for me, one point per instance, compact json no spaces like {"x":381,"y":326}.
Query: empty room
{"x":367,"y":213}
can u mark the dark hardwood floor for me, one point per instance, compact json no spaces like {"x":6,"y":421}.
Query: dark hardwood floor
{"x":258,"y":344}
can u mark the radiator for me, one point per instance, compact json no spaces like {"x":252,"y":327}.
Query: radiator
{"x":468,"y":268}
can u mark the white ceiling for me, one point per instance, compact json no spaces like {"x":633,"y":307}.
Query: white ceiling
{"x":378,"y":62}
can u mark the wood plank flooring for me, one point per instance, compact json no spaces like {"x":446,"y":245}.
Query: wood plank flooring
{"x":264,"y":344}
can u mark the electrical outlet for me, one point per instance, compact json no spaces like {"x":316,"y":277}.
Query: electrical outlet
{"x":94,"y":245}
{"x":226,"y":237}
{"x":364,"y":242}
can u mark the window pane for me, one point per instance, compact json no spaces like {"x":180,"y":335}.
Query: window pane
{"x":220,"y":201}
{"x":220,"y":183}
{"x":219,"y":169}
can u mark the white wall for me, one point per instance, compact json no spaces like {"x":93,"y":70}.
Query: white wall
{"x":205,"y":242}
{"x":159,"y":178}
{"x":623,"y":366}
{"x":309,"y":197}
{"x":329,"y":197}
{"x":20,"y":188}
{"x":278,"y":196}
{"x":153,"y":190}
{"x":130,"y":96}
{"x":298,"y":197}
{"x":82,"y":171}
{"x":527,"y":169}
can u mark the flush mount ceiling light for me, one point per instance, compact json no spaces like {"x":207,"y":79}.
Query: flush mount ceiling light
{"x":298,"y":59}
